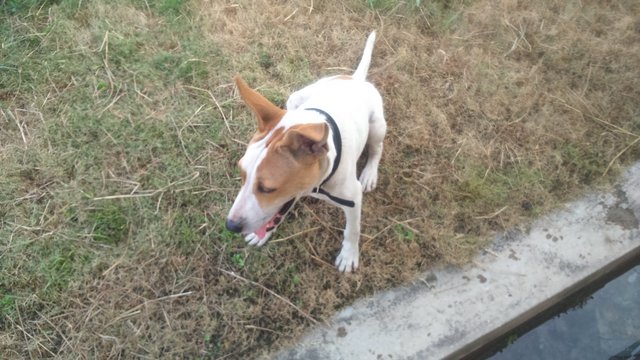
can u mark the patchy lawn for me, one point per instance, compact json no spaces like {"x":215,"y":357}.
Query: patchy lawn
{"x":120,"y":130}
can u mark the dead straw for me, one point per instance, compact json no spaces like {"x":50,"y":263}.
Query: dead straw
{"x":232,"y":274}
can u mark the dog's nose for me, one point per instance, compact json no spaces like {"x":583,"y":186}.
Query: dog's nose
{"x":233,"y":225}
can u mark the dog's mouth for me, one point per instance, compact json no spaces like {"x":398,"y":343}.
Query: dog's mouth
{"x":275,"y":220}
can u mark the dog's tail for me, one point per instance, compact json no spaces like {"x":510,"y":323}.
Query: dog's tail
{"x":363,"y":67}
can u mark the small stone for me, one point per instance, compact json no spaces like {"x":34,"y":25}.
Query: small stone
{"x":342,"y":332}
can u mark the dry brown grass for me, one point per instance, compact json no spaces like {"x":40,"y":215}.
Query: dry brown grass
{"x":497,"y":110}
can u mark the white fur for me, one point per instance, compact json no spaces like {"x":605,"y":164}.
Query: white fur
{"x":246,"y":202}
{"x":356,"y":106}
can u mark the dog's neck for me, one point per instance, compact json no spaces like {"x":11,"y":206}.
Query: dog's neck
{"x":337,"y":144}
{"x":333,"y":163}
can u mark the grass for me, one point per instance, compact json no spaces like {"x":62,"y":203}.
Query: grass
{"x":120,"y":130}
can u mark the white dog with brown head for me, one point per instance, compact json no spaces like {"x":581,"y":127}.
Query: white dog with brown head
{"x":311,"y":149}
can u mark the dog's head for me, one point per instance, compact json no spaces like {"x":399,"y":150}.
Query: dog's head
{"x":281,"y":164}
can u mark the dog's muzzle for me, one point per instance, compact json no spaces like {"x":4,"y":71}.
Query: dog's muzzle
{"x":237,"y":226}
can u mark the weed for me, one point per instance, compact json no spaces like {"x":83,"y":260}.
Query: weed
{"x":110,"y":225}
{"x":238,"y":260}
{"x":404,"y":233}
{"x":265,"y":60}
{"x":7,"y":303}
{"x":295,"y":280}
{"x":170,"y":7}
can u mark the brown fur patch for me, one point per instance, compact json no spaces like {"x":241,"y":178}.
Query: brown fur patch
{"x":268,"y":115}
{"x":277,"y":136}
{"x":294,"y":163}
{"x":243,"y":176}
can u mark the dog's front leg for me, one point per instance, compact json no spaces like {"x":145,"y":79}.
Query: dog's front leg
{"x":349,"y":257}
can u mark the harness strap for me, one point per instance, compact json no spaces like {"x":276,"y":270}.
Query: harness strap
{"x":335,"y":199}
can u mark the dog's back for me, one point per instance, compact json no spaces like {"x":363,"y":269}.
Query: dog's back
{"x":350,"y":99}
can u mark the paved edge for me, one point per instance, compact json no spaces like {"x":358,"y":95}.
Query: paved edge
{"x":448,"y":312}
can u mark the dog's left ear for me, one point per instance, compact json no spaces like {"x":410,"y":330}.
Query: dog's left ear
{"x":267,"y":114}
{"x":308,"y":140}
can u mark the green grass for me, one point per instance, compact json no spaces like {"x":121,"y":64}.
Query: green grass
{"x":441,"y":16}
{"x":109,"y":119}
{"x":7,"y":306}
{"x":14,"y":7}
{"x":109,"y":225}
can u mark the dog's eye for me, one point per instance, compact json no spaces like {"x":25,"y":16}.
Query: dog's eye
{"x":265,"y":190}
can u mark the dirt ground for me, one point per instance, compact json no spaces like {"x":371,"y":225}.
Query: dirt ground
{"x":120,"y":130}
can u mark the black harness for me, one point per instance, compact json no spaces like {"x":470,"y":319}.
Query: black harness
{"x":337,"y":142}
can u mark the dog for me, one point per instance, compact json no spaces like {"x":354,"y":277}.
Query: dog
{"x":311,"y":149}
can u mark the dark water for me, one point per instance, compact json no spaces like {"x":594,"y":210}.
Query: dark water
{"x":604,"y":325}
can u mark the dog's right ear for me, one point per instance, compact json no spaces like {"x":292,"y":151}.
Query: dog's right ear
{"x":307,"y":141}
{"x":267,"y":114}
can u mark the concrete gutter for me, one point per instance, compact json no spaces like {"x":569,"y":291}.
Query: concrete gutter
{"x":450,"y":312}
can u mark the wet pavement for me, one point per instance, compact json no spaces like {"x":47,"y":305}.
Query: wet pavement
{"x":602,"y":325}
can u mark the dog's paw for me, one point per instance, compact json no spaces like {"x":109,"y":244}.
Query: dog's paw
{"x":348,"y":259}
{"x":368,"y":178}
{"x":254,"y":240}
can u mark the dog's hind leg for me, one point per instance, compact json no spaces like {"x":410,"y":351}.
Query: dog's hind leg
{"x":377,"y":130}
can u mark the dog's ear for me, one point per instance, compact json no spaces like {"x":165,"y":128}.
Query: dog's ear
{"x":308,"y":140}
{"x":267,"y":114}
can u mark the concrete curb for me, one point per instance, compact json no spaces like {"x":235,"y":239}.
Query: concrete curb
{"x":450,"y":311}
